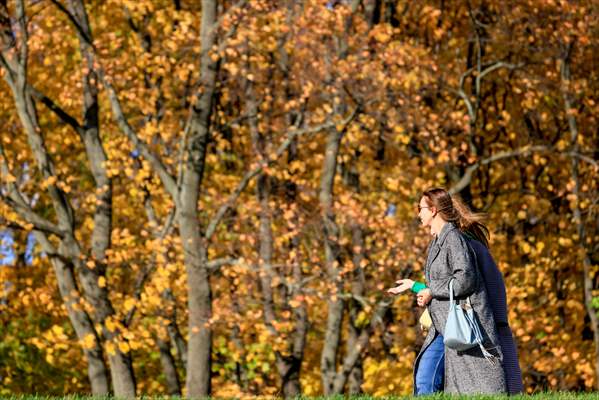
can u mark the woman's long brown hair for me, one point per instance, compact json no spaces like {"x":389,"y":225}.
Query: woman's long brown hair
{"x":453,"y":209}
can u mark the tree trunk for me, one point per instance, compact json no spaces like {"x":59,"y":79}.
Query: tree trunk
{"x":81,"y":321}
{"x":333,"y":262}
{"x":199,"y":304}
{"x":241,"y":376}
{"x":288,"y":367}
{"x":169,"y":368}
{"x":328,"y":361}
{"x":177,"y":340}
{"x":121,"y":369}
{"x":580,"y":229}
{"x":356,"y":377}
{"x":291,"y":380}
{"x":198,"y":279}
{"x":123,"y":378}
{"x":291,"y":384}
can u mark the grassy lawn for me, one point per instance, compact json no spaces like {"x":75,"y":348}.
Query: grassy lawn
{"x":537,"y":396}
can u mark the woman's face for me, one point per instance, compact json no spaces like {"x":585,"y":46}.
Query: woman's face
{"x":425,"y":212}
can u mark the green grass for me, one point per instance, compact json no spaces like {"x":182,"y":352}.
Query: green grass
{"x":537,"y":396}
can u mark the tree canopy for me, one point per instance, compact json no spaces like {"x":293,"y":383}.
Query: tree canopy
{"x":209,"y":198}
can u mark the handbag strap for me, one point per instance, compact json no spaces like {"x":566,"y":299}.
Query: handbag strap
{"x":451,"y":294}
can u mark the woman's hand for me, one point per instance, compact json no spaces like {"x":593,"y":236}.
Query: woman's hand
{"x":402,"y":286}
{"x":424,"y":297}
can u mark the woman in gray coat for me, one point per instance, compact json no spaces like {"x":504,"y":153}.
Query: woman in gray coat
{"x":497,"y":299}
{"x":451,"y":257}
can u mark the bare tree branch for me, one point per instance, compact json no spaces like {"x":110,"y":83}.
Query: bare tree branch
{"x":74,"y":21}
{"x":24,"y":46}
{"x":31,"y":216}
{"x":216,"y":264}
{"x":119,"y":115}
{"x":467,"y":177}
{"x":251,"y":174}
{"x":361,"y":344}
{"x":524,"y":151}
{"x":16,"y":200}
{"x":584,"y":158}
{"x":56,"y":109}
{"x":483,"y":72}
{"x":145,"y":274}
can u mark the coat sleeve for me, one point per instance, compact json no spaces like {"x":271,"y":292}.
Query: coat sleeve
{"x":462,"y":266}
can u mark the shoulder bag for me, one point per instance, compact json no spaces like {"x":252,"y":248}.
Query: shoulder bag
{"x":462,"y":330}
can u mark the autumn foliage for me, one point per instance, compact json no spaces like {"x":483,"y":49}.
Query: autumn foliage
{"x":211,"y":197}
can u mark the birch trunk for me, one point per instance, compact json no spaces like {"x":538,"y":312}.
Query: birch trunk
{"x":328,"y":361}
{"x":123,"y":378}
{"x":198,"y":279}
{"x":81,"y":321}
{"x":199,"y":301}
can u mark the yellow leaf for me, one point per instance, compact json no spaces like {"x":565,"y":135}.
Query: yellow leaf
{"x":102,"y":282}
{"x":110,"y":325}
{"x":565,"y":242}
{"x":57,"y":330}
{"x":540,"y":246}
{"x":110,"y":348}
{"x":124,"y":347}
{"x":49,"y":182}
{"x":392,"y":184}
{"x":129,"y":304}
{"x":134,"y":344}
{"x":89,"y":341}
{"x":294,"y":303}
{"x":10,"y":178}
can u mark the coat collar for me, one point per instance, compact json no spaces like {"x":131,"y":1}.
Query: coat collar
{"x":438,"y":242}
{"x":448,"y":227}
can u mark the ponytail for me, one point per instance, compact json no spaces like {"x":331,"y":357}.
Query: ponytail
{"x":470,"y":223}
{"x":453,"y":209}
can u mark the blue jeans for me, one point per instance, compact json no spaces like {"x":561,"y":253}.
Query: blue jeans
{"x":431,"y":368}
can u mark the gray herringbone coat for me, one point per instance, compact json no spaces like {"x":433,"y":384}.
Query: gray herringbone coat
{"x":450,"y":256}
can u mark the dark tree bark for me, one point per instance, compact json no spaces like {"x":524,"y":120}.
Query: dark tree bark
{"x":356,"y":377}
{"x":168,"y":367}
{"x":288,"y":366}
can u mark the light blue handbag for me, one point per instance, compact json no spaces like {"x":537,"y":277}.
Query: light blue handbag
{"x":462,"y":331}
